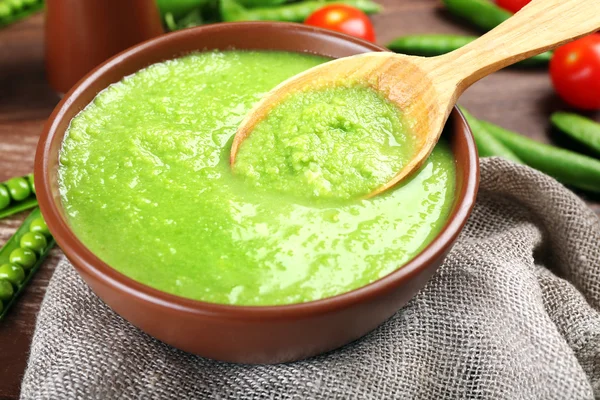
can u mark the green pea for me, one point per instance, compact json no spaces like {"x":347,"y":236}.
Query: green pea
{"x":12,"y":273}
{"x":6,"y":290}
{"x":4,"y":197}
{"x":26,"y":258}
{"x":18,"y":188}
{"x":23,"y":260}
{"x":39,"y":225}
{"x":34,"y":241}
{"x":31,"y":183}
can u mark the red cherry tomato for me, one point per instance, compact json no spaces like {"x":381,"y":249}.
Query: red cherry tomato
{"x":512,"y":5}
{"x":343,"y":18}
{"x":575,"y":72}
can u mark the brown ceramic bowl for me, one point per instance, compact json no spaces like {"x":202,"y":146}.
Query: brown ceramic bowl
{"x":235,"y":333}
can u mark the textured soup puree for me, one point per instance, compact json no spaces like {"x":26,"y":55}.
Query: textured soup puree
{"x":147,"y":186}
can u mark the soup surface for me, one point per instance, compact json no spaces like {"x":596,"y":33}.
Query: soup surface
{"x":147,"y":186}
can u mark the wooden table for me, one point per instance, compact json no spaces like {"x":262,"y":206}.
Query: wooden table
{"x":516,"y":99}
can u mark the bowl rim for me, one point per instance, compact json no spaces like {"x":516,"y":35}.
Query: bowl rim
{"x":85,"y":261}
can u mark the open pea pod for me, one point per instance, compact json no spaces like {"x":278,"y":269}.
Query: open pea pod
{"x":16,"y":195}
{"x":21,"y":257}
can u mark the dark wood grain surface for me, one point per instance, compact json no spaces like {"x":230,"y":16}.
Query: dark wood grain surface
{"x":516,"y":99}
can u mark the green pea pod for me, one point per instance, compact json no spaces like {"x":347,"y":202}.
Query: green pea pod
{"x":13,"y":11}
{"x":366,"y":6}
{"x":18,"y":207}
{"x":232,"y":11}
{"x":16,"y":195}
{"x":261,"y":3}
{"x":582,"y":129}
{"x":482,"y":13}
{"x":487,"y":144}
{"x":429,"y":45}
{"x":12,"y":247}
{"x":179,"y":8}
{"x":436,"y":45}
{"x":170,"y":22}
{"x":566,"y":166}
{"x":194,"y":18}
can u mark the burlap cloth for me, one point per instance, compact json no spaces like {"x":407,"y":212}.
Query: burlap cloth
{"x":514,"y":313}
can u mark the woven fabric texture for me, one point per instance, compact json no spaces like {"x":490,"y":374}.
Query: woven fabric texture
{"x":514,"y":313}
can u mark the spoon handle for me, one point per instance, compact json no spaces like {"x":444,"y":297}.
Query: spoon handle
{"x":538,"y":27}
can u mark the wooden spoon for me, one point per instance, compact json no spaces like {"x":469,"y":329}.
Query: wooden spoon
{"x":426,"y":89}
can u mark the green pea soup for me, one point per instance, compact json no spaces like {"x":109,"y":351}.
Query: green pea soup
{"x":146,"y":183}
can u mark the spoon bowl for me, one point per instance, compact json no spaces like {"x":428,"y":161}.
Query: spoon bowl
{"x":426,"y":89}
